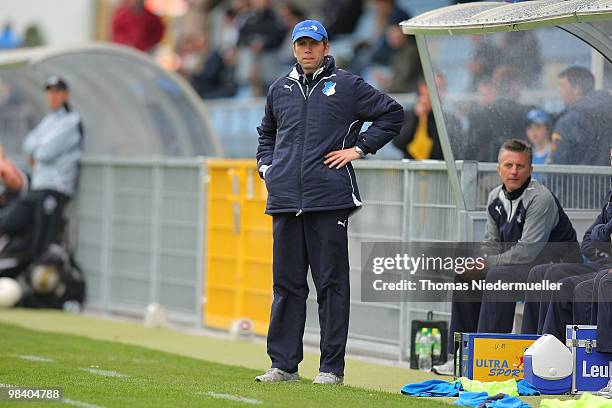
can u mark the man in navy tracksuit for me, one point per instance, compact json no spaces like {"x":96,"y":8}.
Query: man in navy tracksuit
{"x":309,"y":135}
{"x":578,"y":301}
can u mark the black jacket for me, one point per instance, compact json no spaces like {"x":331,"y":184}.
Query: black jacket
{"x":582,"y":132}
{"x":304,"y":120}
{"x":595,"y":244}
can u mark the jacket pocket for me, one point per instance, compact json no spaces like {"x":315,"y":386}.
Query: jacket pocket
{"x":268,"y":177}
{"x":340,"y":176}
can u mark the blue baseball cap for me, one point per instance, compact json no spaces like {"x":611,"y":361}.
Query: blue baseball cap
{"x":309,"y":28}
{"x":538,"y":116}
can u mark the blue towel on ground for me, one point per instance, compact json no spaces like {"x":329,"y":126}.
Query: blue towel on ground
{"x":482,"y":399}
{"x":526,"y":389}
{"x":507,"y":402}
{"x":441,"y":388}
{"x":471,"y":399}
{"x":432,"y":388}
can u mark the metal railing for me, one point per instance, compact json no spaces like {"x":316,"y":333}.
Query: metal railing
{"x":141,"y":233}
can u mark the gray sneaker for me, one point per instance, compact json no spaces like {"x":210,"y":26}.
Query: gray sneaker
{"x":605,"y":391}
{"x":277,"y":375}
{"x":328,"y":378}
{"x":446,"y":368}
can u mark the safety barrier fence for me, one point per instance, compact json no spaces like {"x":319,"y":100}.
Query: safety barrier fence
{"x":191,"y":235}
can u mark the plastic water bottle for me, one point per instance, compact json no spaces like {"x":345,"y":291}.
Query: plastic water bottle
{"x":436,"y":339}
{"x":424,"y":350}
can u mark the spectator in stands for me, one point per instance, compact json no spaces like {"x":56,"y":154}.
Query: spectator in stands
{"x":210,"y":72}
{"x":525,"y":224}
{"x":54,"y":149}
{"x":229,"y":31}
{"x":260,"y":36}
{"x":584,"y":126}
{"x":9,"y":38}
{"x":505,"y":118}
{"x":216,"y":80}
{"x":538,"y":134}
{"x":387,"y":13}
{"x":290,"y":15}
{"x":418,"y":139}
{"x":376,"y":51}
{"x":405,"y":64}
{"x":521,"y":48}
{"x":33,"y":37}
{"x":135,"y":26}
{"x":485,"y":58}
{"x":191,"y":50}
{"x":486,"y":92}
{"x":341,"y":16}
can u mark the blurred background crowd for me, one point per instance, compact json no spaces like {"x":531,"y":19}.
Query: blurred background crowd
{"x":234,"y":48}
{"x":230,"y":51}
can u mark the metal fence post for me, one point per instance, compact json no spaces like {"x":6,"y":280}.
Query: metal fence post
{"x":469,"y":183}
{"x":203,"y":180}
{"x":407,"y":213}
{"x":156,"y":224}
{"x":107,"y":232}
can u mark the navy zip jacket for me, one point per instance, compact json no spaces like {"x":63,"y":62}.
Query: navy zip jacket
{"x":596,"y":241}
{"x":307,"y":118}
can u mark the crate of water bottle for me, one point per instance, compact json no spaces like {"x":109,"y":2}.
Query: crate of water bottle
{"x":428,"y":343}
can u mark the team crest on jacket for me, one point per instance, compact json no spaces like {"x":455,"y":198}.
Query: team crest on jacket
{"x":329,"y":88}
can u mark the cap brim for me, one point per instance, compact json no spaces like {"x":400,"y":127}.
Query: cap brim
{"x":310,"y":34}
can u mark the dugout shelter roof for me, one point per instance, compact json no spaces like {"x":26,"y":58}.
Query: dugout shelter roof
{"x":130,"y":106}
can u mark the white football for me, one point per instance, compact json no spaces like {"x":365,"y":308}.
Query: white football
{"x":10,"y":292}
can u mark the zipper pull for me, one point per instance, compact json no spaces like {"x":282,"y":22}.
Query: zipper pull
{"x":298,"y":213}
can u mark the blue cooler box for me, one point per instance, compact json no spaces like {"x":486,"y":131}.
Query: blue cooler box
{"x":591,"y":369}
{"x":549,"y":366}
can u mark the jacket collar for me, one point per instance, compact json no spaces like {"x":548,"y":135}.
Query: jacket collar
{"x":329,"y":64}
{"x":513,"y":195}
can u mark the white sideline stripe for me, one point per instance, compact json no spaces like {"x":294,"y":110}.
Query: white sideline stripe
{"x":233,"y":398}
{"x":6,"y":386}
{"x":38,"y":359}
{"x":80,"y":404}
{"x":104,"y":373}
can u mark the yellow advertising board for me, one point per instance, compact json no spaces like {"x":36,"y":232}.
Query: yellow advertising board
{"x":493,"y":357}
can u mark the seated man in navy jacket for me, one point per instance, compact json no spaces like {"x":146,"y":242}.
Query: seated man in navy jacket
{"x":578,"y":301}
{"x":526,"y":226}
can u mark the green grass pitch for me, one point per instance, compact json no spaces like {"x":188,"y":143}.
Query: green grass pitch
{"x":131,"y":376}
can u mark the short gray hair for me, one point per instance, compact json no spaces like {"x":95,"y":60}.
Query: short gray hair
{"x":517,"y":146}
